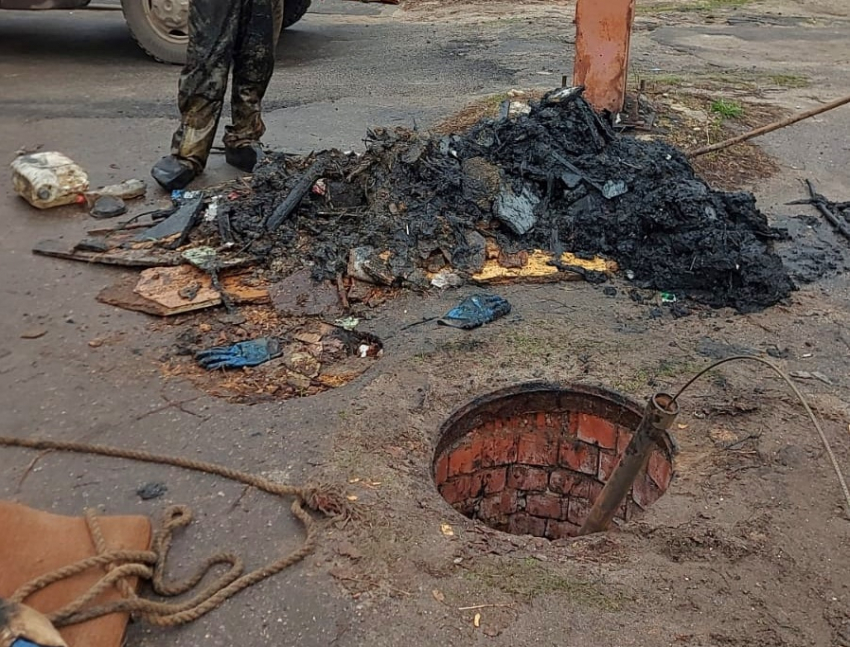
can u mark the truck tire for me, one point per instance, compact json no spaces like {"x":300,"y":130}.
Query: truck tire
{"x":161,"y":27}
{"x":293,"y":11}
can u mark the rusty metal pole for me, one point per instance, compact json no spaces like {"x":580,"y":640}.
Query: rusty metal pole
{"x":603,"y":35}
{"x":661,"y":411}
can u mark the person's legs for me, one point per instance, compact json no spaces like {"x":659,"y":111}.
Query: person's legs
{"x":213,"y":33}
{"x":253,"y":65}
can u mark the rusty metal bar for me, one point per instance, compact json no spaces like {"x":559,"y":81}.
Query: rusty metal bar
{"x":660,"y":413}
{"x":603,"y":36}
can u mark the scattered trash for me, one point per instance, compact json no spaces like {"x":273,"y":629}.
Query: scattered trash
{"x":496,"y":204}
{"x":829,"y":210}
{"x":204,"y":258}
{"x":180,"y":222}
{"x":126,"y":190}
{"x":517,"y":211}
{"x":211,"y":214}
{"x":447,"y":530}
{"x":446,"y":279}
{"x":242,"y":354}
{"x":48,"y":179}
{"x":177,"y":290}
{"x":365,"y":264}
{"x":476,"y":311}
{"x":612,"y":189}
{"x":108,"y":206}
{"x":668,"y":297}
{"x":348,"y":323}
{"x":476,"y":621}
{"x":151,"y":491}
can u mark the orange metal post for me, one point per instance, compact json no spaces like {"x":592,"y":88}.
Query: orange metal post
{"x":603,"y":34}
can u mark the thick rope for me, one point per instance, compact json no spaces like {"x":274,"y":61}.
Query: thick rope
{"x":121,"y":565}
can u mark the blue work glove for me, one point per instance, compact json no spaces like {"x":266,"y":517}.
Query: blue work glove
{"x":476,"y":311}
{"x":245,"y":353}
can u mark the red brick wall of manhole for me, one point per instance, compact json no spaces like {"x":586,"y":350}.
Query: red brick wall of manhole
{"x":538,"y":473}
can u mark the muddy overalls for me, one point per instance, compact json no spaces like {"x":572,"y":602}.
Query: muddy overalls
{"x":225,"y":36}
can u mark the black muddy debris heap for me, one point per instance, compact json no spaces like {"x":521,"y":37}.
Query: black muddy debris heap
{"x":557,"y":179}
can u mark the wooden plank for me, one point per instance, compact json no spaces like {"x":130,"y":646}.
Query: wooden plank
{"x":151,"y":257}
{"x":539,"y":269}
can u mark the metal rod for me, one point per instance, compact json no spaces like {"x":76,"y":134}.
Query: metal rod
{"x":661,"y":411}
{"x":769,"y":128}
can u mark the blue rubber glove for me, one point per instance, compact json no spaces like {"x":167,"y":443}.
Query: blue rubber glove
{"x":476,"y":311}
{"x":245,"y":353}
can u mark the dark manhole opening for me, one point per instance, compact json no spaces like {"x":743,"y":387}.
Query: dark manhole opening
{"x":531,"y":459}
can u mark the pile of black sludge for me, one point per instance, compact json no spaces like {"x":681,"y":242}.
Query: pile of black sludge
{"x":557,"y":179}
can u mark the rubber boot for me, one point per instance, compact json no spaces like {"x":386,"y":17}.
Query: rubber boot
{"x":173,"y":173}
{"x":244,"y":158}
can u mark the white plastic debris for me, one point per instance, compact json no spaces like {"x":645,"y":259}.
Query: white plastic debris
{"x":211,"y":214}
{"x":446,"y":279}
{"x":49,"y":179}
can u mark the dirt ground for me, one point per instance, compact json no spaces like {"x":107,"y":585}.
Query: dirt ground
{"x":749,"y":546}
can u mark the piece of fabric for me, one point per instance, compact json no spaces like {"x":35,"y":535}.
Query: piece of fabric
{"x":33,"y":543}
{"x":225,"y":36}
{"x":245,"y":353}
{"x":476,"y":311}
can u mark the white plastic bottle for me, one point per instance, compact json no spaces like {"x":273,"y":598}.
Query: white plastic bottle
{"x":48,"y":179}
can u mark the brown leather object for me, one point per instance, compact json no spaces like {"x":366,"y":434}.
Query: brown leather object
{"x":33,"y":543}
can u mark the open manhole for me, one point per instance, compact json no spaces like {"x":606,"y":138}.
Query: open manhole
{"x":531,"y":459}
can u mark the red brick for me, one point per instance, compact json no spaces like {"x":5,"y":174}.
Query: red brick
{"x":550,"y":506}
{"x":510,"y":501}
{"x":537,"y":448}
{"x":624,"y":437}
{"x":542,"y":424}
{"x":463,"y":460}
{"x":645,"y":492}
{"x":524,"y":524}
{"x":527,"y":478}
{"x":449,"y":492}
{"x":562,"y":481}
{"x":441,"y":469}
{"x":580,"y":457}
{"x":586,"y":488}
{"x":494,"y":480}
{"x":561,"y":529}
{"x":461,"y":488}
{"x":659,"y":469}
{"x":499,"y":449}
{"x":491,"y":509}
{"x":607,"y":462}
{"x":596,"y":431}
{"x":578,"y":510}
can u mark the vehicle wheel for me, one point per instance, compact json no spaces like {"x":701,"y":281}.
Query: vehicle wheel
{"x":293,"y":11}
{"x":160,"y":27}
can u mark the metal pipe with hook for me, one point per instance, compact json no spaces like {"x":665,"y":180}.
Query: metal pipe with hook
{"x":659,"y":415}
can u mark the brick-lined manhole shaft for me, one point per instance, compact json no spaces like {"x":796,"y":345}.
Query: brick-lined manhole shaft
{"x":531,"y":459}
